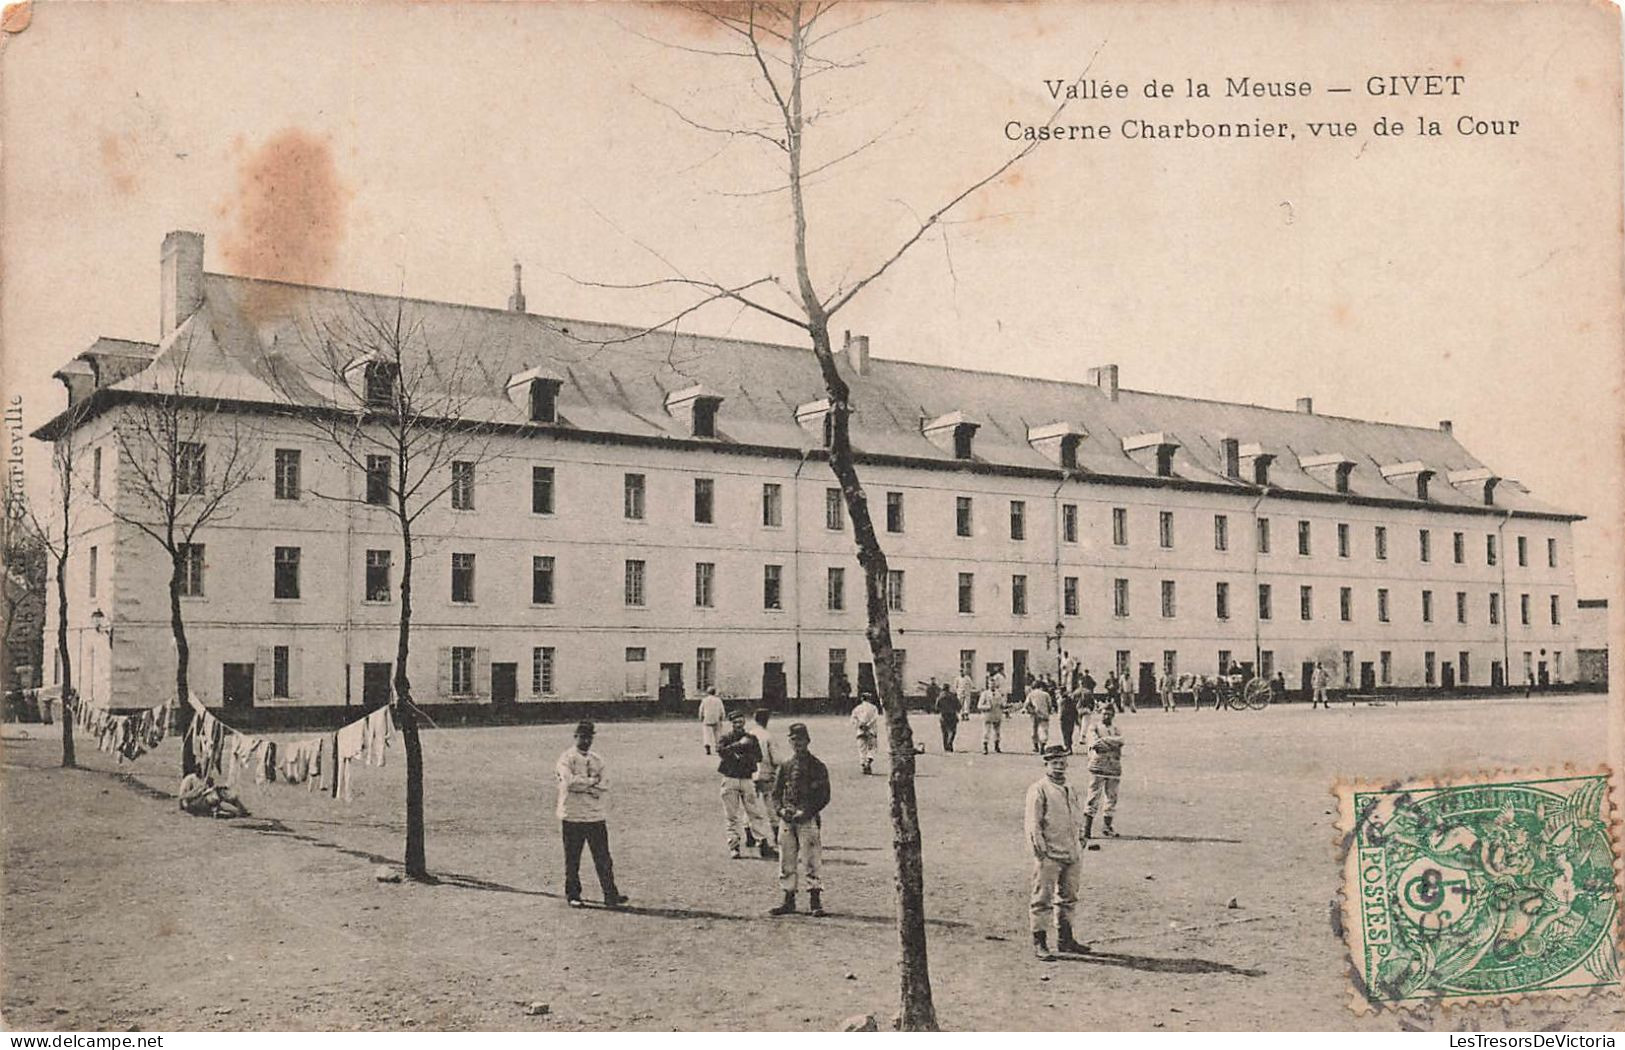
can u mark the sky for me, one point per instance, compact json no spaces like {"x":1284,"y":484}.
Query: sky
{"x":425,"y":149}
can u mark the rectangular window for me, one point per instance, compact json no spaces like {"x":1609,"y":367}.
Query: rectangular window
{"x":462,"y":485}
{"x":93,"y":571}
{"x":1168,"y":609}
{"x":1427,"y":606}
{"x":287,"y":572}
{"x":962,"y":516}
{"x":1430,"y":668}
{"x":1382,"y":605}
{"x":705,"y":669}
{"x":1342,"y":539}
{"x":191,"y":570}
{"x":1120,"y":526}
{"x":1461,"y":606}
{"x":704,"y":584}
{"x":279,"y":672}
{"x":632,"y":497}
{"x":1263,"y":535}
{"x":1523,"y":551}
{"x":834,"y":510}
{"x":772,"y":586}
{"x":705,"y":507}
{"x":772,"y":505}
{"x":1463,"y":675}
{"x":1306,"y":603}
{"x":1551,"y":554}
{"x":1018,"y":595}
{"x":1495,"y":608}
{"x":462,"y":670}
{"x":1120,"y":598}
{"x":1122,"y":661}
{"x":967,"y":592}
{"x":1265,"y":610}
{"x":1556,"y":610}
{"x":1523,"y":609}
{"x":637,"y":671}
{"x":633,"y":593}
{"x":541,"y":490}
{"x":1345,"y":604}
{"x":1170,"y":662}
{"x":96,"y":474}
{"x":967,"y":662}
{"x":378,"y":584}
{"x":1069,"y":596}
{"x":1303,"y":537}
{"x":1069,"y":523}
{"x":1458,"y":547}
{"x":1385,"y":661}
{"x":1018,"y":519}
{"x":1424,"y":544}
{"x":1221,"y":532}
{"x":462,"y":578}
{"x":894,"y":590}
{"x":1379,"y":539}
{"x":378,"y":480}
{"x":1224,"y":661}
{"x":287,"y":473}
{"x":1489,"y":549}
{"x":541,"y":579}
{"x":1266,"y":662}
{"x":835,"y":589}
{"x":541,"y":670}
{"x":189,"y":468}
{"x":894,"y":512}
{"x":1165,"y":529}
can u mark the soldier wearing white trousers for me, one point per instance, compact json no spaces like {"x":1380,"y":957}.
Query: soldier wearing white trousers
{"x":800,"y":793}
{"x":740,"y":755}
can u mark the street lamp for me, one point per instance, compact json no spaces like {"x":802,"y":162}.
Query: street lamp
{"x":99,"y":621}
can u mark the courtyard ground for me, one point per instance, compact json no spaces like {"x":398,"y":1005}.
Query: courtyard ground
{"x":121,"y":912}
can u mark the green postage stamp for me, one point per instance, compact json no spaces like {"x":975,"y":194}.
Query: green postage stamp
{"x":1480,"y":891}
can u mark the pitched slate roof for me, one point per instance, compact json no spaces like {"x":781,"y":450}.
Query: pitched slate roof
{"x":615,"y":380}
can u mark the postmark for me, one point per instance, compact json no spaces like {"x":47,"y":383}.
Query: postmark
{"x":1480,"y":890}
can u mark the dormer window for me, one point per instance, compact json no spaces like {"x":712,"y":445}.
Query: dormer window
{"x":1423,"y":479}
{"x":544,"y":401}
{"x":700,"y":405}
{"x":1255,"y":463}
{"x":1415,"y":472}
{"x":535,"y":392}
{"x":816,"y":417}
{"x":381,"y":380}
{"x":1230,"y":453}
{"x":1332,"y":468}
{"x":1154,"y":450}
{"x":1058,"y":442}
{"x":1261,"y":469}
{"x":1478,"y":482}
{"x":954,"y":432}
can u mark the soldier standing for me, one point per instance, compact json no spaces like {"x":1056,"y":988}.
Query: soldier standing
{"x":800,"y":793}
{"x":1051,"y":823}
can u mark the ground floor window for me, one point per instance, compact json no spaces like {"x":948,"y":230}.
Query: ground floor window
{"x":1123,"y":656}
{"x":637,"y":671}
{"x":967,"y":662}
{"x":1385,"y":661}
{"x":541,"y":671}
{"x":1170,"y":662}
{"x":1430,"y":668}
{"x":1266,"y":662}
{"x":462,"y":670}
{"x":1348,"y":668}
{"x":280,"y":672}
{"x":705,"y":669}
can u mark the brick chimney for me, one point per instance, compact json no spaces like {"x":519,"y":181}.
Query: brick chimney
{"x":1306,"y":405}
{"x":516,"y":301}
{"x":857,"y":353}
{"x":181,"y":277}
{"x":1445,"y":426}
{"x":1105,"y":377}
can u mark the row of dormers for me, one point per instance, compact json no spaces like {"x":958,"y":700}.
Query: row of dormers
{"x":535,"y":393}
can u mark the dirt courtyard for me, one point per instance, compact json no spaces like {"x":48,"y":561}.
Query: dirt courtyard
{"x":121,"y":912}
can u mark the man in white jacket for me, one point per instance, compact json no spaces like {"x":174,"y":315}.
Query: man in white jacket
{"x":1052,"y":818}
{"x":582,"y":810}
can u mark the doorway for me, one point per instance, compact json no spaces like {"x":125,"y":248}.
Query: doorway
{"x":1148,"y":681}
{"x":1368,"y":677}
{"x":504,"y":683}
{"x":1447,"y":675}
{"x":671,"y":686}
{"x":1307,"y":683}
{"x":773,"y":684}
{"x":1018,"y":670}
{"x":375,"y":685}
{"x":237,"y":685}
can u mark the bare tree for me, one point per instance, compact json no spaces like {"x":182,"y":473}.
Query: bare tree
{"x":783,"y":46}
{"x":180,"y":462}
{"x":22,"y":589}
{"x":56,"y":535}
{"x":398,"y":410}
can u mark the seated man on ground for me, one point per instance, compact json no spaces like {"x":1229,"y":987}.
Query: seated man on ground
{"x":202,"y":797}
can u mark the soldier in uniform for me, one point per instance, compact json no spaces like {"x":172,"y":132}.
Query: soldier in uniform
{"x":800,"y":793}
{"x":1051,"y":818}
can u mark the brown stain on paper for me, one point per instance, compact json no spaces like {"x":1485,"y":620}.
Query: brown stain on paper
{"x":288,"y":216}
{"x":122,"y":169}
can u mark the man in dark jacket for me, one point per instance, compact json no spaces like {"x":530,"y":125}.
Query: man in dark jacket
{"x":740,"y":754}
{"x":947,"y":708}
{"x":800,"y":793}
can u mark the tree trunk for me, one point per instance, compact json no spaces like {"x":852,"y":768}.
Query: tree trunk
{"x":918,"y":1010}
{"x":183,"y":663}
{"x":417,"y":864}
{"x":68,"y":760}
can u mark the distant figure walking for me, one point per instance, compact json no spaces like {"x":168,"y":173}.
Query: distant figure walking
{"x":1318,"y":680}
{"x":711,"y":715}
{"x":866,"y":723}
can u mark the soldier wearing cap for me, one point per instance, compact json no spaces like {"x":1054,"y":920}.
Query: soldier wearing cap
{"x":800,"y":793}
{"x":1053,"y":816}
{"x":582,"y":808}
{"x":739,"y":755}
